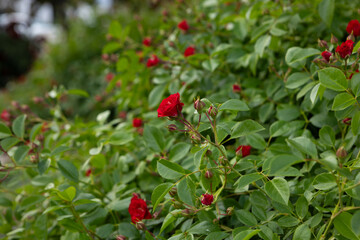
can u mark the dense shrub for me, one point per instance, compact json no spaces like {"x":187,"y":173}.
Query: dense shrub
{"x":220,"y":120}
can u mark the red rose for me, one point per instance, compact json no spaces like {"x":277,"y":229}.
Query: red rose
{"x":138,"y":209}
{"x":137,"y":122}
{"x":170,"y":106}
{"x":326,"y":55}
{"x":5,"y":115}
{"x":245,"y":150}
{"x":183,"y":25}
{"x":207,"y":199}
{"x":236,"y":88}
{"x":88,"y":172}
{"x":345,"y":49}
{"x":109,"y":77}
{"x":147,"y":42}
{"x":152,"y":61}
{"x":189,"y":51}
{"x":354,"y":27}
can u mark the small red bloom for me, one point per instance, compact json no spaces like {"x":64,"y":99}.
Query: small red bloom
{"x":5,"y":115}
{"x":109,"y":77}
{"x":138,"y":209}
{"x":354,"y":27}
{"x":346,"y":121}
{"x":345,"y":49}
{"x":170,"y":106}
{"x":236,"y":88}
{"x":245,"y":150}
{"x":207,"y":199}
{"x":183,"y":25}
{"x":326,"y":55}
{"x":152,"y":61}
{"x":88,"y":172}
{"x":137,"y":122}
{"x":189,"y":51}
{"x":147,"y":42}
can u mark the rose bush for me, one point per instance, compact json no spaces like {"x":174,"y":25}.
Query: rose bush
{"x":254,"y":136}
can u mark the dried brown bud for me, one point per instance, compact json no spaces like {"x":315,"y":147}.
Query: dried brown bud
{"x":140,"y":226}
{"x":196,"y":138}
{"x":172,"y":127}
{"x":322,"y":43}
{"x":351,"y":37}
{"x":333,"y":39}
{"x":341,"y":152}
{"x":230,"y":211}
{"x":187,"y":212}
{"x":208,"y":174}
{"x":173,"y":192}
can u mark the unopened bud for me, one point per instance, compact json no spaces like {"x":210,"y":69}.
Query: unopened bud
{"x":208,"y":153}
{"x":38,"y":100}
{"x":177,"y":204}
{"x":120,"y":237}
{"x":212,"y":111}
{"x":195,"y":138}
{"x":199,"y":105}
{"x":105,"y":57}
{"x":341,"y":152}
{"x":333,"y":39}
{"x":108,"y":37}
{"x":172,"y":127}
{"x":230,"y":211}
{"x":322,"y":43}
{"x":15,"y":104}
{"x":173,"y":192}
{"x":208,"y":174}
{"x":33,"y":159}
{"x":140,"y":226}
{"x":187,"y":212}
{"x":351,"y":37}
{"x":346,"y":121}
{"x":25,"y":108}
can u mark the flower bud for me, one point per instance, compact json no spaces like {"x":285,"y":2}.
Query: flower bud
{"x":212,"y":111}
{"x":172,"y":127}
{"x":351,"y":37}
{"x":120,"y":237}
{"x":195,"y":138}
{"x":208,"y":174}
{"x":322,"y":43}
{"x":177,"y":204}
{"x":105,"y":57}
{"x":187,"y":212}
{"x":341,"y":152}
{"x":140,"y":226}
{"x":333,"y":39}
{"x":173,"y":192}
{"x":346,"y":121}
{"x":199,"y":105}
{"x":230,"y":211}
{"x":208,"y":153}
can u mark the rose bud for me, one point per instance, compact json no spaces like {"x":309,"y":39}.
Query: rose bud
{"x":341,"y":152}
{"x":109,"y":77}
{"x":88,"y":172}
{"x":173,"y":192}
{"x":108,"y":37}
{"x":38,"y":100}
{"x":208,"y":153}
{"x":199,"y":105}
{"x":165,"y":13}
{"x":189,"y":51}
{"x":183,"y":25}
{"x":333,"y":39}
{"x":351,"y":37}
{"x":326,"y":55}
{"x":105,"y":57}
{"x":140,"y":226}
{"x":177,"y":204}
{"x":137,"y":122}
{"x":195,"y":138}
{"x":15,"y":104}
{"x":346,"y":121}
{"x":147,"y":42}
{"x":207,"y":199}
{"x":236,"y":88}
{"x":230,"y":211}
{"x":152,"y":61}
{"x":345,"y":49}
{"x":120,"y":237}
{"x":322,"y":43}
{"x":122,"y":114}
{"x":187,"y":212}
{"x":5,"y":115}
{"x":353,"y":27}
{"x":243,"y":150}
{"x":172,"y":127}
{"x":208,"y":174}
{"x":212,"y":111}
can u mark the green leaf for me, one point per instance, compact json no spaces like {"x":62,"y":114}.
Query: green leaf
{"x":9,"y":142}
{"x":35,"y":130}
{"x":210,"y":64}
{"x":234,"y":105}
{"x":355,"y":223}
{"x":40,"y":227}
{"x":327,"y":136}
{"x":79,"y":92}
{"x":5,"y":202}
{"x":4,"y":131}
{"x":324,"y":181}
{"x":296,"y":57}
{"x":170,"y":217}
{"x":342,"y":224}
{"x":355,"y":82}
{"x":302,"y":232}
{"x":342,"y":101}
{"x":156,"y":95}
{"x":245,"y":128}
{"x":198,"y":157}
{"x":245,"y":180}
{"x":169,"y":170}
{"x":246,"y":217}
{"x":186,"y":191}
{"x":204,"y":228}
{"x":68,"y":194}
{"x":314,"y":93}
{"x":68,"y":170}
{"x":43,"y":165}
{"x":302,"y":207}
{"x":246,"y":235}
{"x":159,"y":193}
{"x":261,"y":44}
{"x":278,"y":190}
{"x":154,"y":138}
{"x":281,"y":162}
{"x":121,"y":138}
{"x":333,"y":79}
{"x":59,"y":150}
{"x":296,"y":80}
{"x":288,"y":221}
{"x":256,"y":140}
{"x":217,"y":236}
{"x":326,"y":11}
{"x":115,"y":29}
{"x":179,"y":151}
{"x":18,"y":126}
{"x":355,"y":124}
{"x":305,"y":145}
{"x":21,"y":153}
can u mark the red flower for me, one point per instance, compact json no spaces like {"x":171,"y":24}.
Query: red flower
{"x":183,"y":25}
{"x":207,"y":199}
{"x":170,"y":106}
{"x":346,"y":121}
{"x":236,"y":88}
{"x":147,"y":42}
{"x":88,"y":172}
{"x":138,"y":209}
{"x":5,"y":115}
{"x":245,"y":150}
{"x":189,"y":51}
{"x":326,"y":55}
{"x":137,"y":122}
{"x":109,"y":77}
{"x":345,"y":49}
{"x":354,"y":27}
{"x":152,"y":61}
